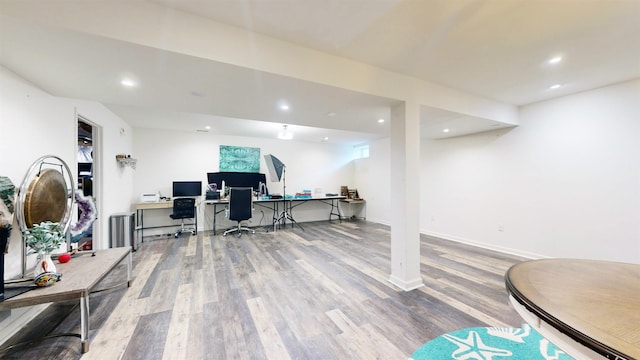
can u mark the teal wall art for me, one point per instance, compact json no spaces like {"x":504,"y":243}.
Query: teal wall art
{"x":239,"y":158}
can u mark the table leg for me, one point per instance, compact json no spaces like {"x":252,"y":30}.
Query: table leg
{"x":215,"y":212}
{"x":140,"y":216}
{"x":84,"y":322}
{"x":129,"y":268}
{"x":335,"y":205}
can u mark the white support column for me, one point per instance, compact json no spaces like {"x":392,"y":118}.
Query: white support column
{"x":405,"y":193}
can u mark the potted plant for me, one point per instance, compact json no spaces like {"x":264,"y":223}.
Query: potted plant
{"x":43,"y":239}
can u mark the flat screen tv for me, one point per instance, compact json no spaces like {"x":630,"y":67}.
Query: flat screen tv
{"x":187,"y":188}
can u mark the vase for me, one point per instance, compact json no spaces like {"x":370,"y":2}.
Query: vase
{"x":44,"y":264}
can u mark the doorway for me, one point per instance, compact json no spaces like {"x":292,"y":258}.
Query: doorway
{"x":87,"y":164}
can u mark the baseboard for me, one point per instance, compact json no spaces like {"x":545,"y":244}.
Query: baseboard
{"x":505,"y":250}
{"x":378,"y":221}
{"x":406,"y":285}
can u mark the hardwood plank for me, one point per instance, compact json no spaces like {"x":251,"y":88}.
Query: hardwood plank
{"x":118,"y":329}
{"x":322,"y":293}
{"x":271,"y":341}
{"x":149,"y":337}
{"x":176,"y":344}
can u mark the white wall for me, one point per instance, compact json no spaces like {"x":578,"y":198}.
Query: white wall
{"x":165,"y":156}
{"x":34,"y":123}
{"x":374,"y":182}
{"x":565,"y":183}
{"x":116,"y":137}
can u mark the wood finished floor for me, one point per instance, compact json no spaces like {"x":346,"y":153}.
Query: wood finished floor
{"x":322,"y":293}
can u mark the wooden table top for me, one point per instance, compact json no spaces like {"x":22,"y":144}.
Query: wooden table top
{"x":79,"y":276}
{"x":595,"y":302}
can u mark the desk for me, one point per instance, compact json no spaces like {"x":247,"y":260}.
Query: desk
{"x":358,"y":203}
{"x":274,"y":205}
{"x":596,"y":303}
{"x":79,"y":279}
{"x":141,"y":207}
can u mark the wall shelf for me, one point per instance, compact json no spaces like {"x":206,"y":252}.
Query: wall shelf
{"x":126,"y":161}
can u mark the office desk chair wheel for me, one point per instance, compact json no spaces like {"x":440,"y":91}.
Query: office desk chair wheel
{"x":239,"y":229}
{"x":179,"y":232}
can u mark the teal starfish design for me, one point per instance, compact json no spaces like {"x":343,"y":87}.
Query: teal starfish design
{"x":473,"y":348}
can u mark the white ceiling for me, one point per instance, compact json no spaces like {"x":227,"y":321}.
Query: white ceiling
{"x":492,"y":48}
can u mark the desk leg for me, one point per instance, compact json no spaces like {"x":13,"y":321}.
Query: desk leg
{"x":274,"y":219}
{"x":140,"y":217}
{"x":129,"y":268}
{"x":335,"y":204}
{"x":84,"y":322}
{"x":215,"y":212}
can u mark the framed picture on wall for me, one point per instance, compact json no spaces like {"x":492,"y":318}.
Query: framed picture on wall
{"x":239,"y":158}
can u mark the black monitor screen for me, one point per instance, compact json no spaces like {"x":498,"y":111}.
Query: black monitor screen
{"x":187,"y":188}
{"x":237,"y":179}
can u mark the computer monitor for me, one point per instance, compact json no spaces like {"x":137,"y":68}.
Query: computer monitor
{"x":236,"y":179}
{"x":84,"y":169}
{"x":187,"y":188}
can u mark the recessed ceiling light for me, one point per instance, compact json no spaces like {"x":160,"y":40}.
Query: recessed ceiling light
{"x":208,"y":127}
{"x":128,"y":83}
{"x":555,"y":60}
{"x":380,"y":121}
{"x":325,"y":139}
{"x":445,"y":130}
{"x":555,"y":86}
{"x":284,"y":107}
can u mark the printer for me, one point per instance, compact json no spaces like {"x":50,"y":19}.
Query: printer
{"x":148,"y":198}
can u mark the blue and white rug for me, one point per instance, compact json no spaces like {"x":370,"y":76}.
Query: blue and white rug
{"x":484,"y":343}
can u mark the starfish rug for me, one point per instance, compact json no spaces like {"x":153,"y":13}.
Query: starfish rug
{"x":490,"y":343}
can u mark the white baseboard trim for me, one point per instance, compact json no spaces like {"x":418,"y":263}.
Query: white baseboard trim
{"x":505,"y":250}
{"x":378,"y":221}
{"x":406,"y":285}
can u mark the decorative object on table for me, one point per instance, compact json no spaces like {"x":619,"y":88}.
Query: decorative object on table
{"x":353,"y":194}
{"x":45,"y":195}
{"x":489,"y":343}
{"x":47,"y":278}
{"x":7,"y":209}
{"x":88,"y":215}
{"x":304,"y":194}
{"x":239,"y":159}
{"x":43,"y":239}
{"x":63,"y":258}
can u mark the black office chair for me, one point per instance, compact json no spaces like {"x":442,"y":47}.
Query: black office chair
{"x":240,"y":209}
{"x":184,"y":208}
